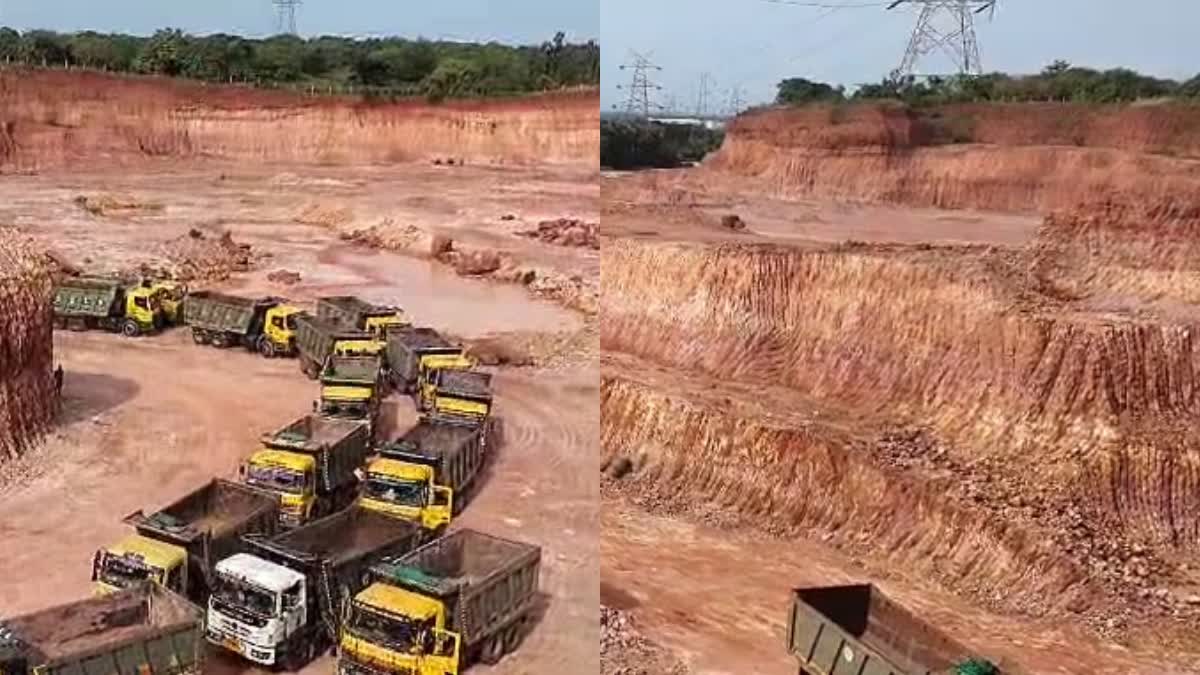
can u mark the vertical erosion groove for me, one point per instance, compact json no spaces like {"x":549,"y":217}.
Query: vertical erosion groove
{"x":26,"y":348}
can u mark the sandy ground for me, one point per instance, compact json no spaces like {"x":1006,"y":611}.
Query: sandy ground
{"x":725,"y":607}
{"x":147,"y":419}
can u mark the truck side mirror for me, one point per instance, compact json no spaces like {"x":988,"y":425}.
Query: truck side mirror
{"x":314,"y":406}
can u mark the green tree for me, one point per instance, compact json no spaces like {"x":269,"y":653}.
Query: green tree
{"x":10,"y":44}
{"x":163,"y":53}
{"x":452,"y":77}
{"x":797,"y":91}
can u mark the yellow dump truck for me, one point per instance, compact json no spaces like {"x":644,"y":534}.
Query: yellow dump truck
{"x":411,"y":353}
{"x":267,"y":325}
{"x":317,"y":340}
{"x":426,"y":474}
{"x":170,"y":295}
{"x":178,"y":545}
{"x":351,"y":388}
{"x":108,"y":304}
{"x":462,"y":396}
{"x":462,"y":598}
{"x":311,"y":465}
{"x":351,"y":312}
{"x":430,"y":366}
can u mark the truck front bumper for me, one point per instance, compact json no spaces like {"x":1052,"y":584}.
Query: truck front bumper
{"x":256,"y":653}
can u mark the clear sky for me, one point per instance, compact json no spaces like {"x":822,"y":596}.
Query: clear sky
{"x":510,"y":21}
{"x":756,"y":43}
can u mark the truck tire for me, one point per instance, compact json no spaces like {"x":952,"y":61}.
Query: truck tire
{"x":493,"y":649}
{"x":266,"y":347}
{"x":198,"y":336}
{"x":513,"y":635}
{"x":309,"y":368}
{"x":130,"y":328}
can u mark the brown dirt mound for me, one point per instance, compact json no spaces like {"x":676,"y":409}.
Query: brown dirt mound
{"x":26,"y":348}
{"x":199,"y":256}
{"x":105,"y":204}
{"x":625,"y":651}
{"x":1080,"y":416}
{"x":52,"y":118}
{"x":566,"y":232}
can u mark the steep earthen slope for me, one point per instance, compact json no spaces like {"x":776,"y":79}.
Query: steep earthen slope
{"x":26,"y":350}
{"x":1005,"y":158}
{"x":51,"y":118}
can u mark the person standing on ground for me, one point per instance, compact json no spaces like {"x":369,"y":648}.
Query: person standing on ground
{"x":58,"y":384}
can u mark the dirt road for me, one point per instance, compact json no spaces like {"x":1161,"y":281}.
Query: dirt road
{"x":145,"y":420}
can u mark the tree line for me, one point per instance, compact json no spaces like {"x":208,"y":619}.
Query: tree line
{"x":631,"y":143}
{"x":397,"y":66}
{"x":1060,"y":81}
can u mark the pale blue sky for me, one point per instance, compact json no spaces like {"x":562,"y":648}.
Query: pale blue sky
{"x":755,"y":43}
{"x":510,"y":21}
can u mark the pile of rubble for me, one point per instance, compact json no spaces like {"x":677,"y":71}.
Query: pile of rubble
{"x":566,"y":232}
{"x":197,"y":256}
{"x":624,"y":651}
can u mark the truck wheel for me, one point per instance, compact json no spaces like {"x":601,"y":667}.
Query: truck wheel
{"x":266,"y":348}
{"x":513,"y":635}
{"x":198,"y":336}
{"x":130,"y":328}
{"x":493,"y":650}
{"x":309,"y":368}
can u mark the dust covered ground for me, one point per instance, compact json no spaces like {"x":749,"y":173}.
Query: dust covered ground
{"x":933,"y":368}
{"x":144,"y":420}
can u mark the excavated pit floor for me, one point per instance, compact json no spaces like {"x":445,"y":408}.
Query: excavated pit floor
{"x":144,"y":420}
{"x":732,"y":573}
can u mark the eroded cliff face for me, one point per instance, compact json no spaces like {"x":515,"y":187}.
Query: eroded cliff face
{"x":972,"y":428}
{"x":26,"y":349}
{"x":1006,"y":158}
{"x":50,"y":118}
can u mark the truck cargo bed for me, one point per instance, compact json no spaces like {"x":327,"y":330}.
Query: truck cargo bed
{"x":464,"y":557}
{"x":851,"y":628}
{"x":468,"y":383}
{"x":311,"y":432}
{"x":90,"y":626}
{"x":345,"y":536}
{"x":217,"y":508}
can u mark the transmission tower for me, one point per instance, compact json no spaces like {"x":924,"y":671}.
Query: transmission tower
{"x":286,"y":10}
{"x":948,"y":26}
{"x":702,"y":95}
{"x":639,"y":102}
{"x":735,"y":101}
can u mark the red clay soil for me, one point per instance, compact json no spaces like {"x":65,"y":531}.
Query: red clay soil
{"x":967,"y":157}
{"x":55,"y":118}
{"x":26,"y":350}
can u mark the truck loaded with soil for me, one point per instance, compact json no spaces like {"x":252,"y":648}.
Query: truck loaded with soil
{"x":959,"y":367}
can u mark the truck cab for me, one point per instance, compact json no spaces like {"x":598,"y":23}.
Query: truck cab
{"x":430,"y":365}
{"x":393,"y":630}
{"x":279,"y":329}
{"x":350,"y":388}
{"x":291,"y":476}
{"x":170,"y":296}
{"x":256,"y":605}
{"x":406,"y":490}
{"x":135,"y":559}
{"x":378,"y":326}
{"x":143,"y":311}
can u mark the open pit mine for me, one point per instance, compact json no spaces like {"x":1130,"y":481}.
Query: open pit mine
{"x":175,"y":247}
{"x":952,"y":352}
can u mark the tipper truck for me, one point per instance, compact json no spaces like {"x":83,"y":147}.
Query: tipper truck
{"x":310,"y":464}
{"x":413,"y":350}
{"x":425,"y":474}
{"x":839,"y":630}
{"x":462,"y":396}
{"x":351,"y":388}
{"x":317,"y":340}
{"x":144,"y":630}
{"x":178,"y":545}
{"x":267,"y":325}
{"x":281,"y":602}
{"x":463,"y":598}
{"x":110,"y":304}
{"x":356,"y":313}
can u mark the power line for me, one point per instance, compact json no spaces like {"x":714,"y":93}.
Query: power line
{"x":947,"y":26}
{"x":736,"y":102}
{"x":640,"y":86}
{"x":286,"y":10}
{"x":702,"y":95}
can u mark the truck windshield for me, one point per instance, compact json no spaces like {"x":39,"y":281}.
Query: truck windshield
{"x":391,"y":631}
{"x":395,"y":491}
{"x":240,"y":595}
{"x":343,"y":409}
{"x":123,"y":571}
{"x":276,"y":478}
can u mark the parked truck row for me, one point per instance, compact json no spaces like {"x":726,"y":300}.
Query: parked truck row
{"x":322,"y":511}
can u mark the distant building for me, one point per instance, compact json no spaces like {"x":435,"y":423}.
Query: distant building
{"x":706,"y":122}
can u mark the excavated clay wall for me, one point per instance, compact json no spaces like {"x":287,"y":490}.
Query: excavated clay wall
{"x":944,"y":340}
{"x":26,"y":349}
{"x":967,"y":157}
{"x":816,"y":478}
{"x":50,"y":118}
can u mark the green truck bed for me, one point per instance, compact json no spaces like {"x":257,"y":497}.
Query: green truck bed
{"x":145,"y":630}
